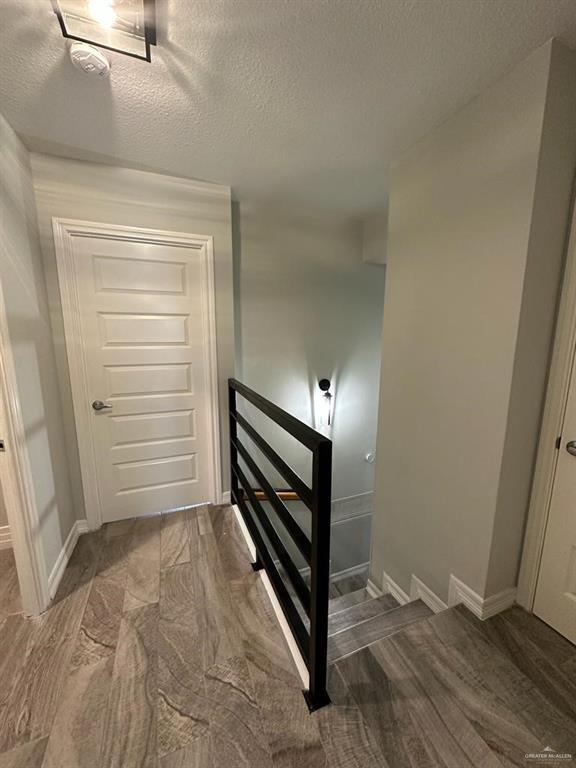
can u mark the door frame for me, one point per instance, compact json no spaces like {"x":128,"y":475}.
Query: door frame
{"x":17,"y":485}
{"x":64,"y":231}
{"x":562,"y":362}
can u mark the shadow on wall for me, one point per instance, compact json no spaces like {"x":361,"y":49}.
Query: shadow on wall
{"x":308,"y":308}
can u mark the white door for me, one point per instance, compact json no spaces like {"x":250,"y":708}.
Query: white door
{"x":141,"y":320}
{"x":556,"y":591}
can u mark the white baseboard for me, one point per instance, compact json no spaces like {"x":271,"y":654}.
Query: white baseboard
{"x":245,"y":532}
{"x":458,"y":592}
{"x":284,"y":626}
{"x":286,"y":631}
{"x":390,"y":586}
{"x":347,"y":572}
{"x":226,"y":499}
{"x":419,"y":591}
{"x":352,"y":506}
{"x":79,"y":527}
{"x":5,"y":537}
{"x":373,"y":590}
{"x":481,"y":607}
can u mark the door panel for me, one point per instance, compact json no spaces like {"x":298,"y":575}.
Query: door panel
{"x":556,"y":591}
{"x":145,"y":334}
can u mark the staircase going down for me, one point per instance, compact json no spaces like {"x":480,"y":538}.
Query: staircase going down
{"x":357,"y":620}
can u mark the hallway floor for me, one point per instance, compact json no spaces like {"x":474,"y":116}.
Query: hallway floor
{"x":10,"y":602}
{"x":161,"y":650}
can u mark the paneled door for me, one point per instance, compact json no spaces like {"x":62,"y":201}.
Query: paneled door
{"x":139,"y":323}
{"x":556,"y":590}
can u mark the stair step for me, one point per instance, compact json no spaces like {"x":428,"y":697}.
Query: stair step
{"x":368,"y":632}
{"x":348,"y":600}
{"x":360,"y":612}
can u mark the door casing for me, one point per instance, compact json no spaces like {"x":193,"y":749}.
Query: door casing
{"x":64,"y":232}
{"x":17,"y":485}
{"x":552,"y":421}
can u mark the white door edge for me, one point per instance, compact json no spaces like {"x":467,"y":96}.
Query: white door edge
{"x":64,"y":232}
{"x":553,"y":417}
{"x":17,"y":485}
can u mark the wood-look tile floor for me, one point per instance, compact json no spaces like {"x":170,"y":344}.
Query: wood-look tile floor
{"x":10,"y":602}
{"x":161,"y":650}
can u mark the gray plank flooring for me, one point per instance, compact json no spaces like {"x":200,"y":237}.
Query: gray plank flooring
{"x":161,"y":650}
{"x":356,"y":614}
{"x":9,"y":590}
{"x":342,"y":602}
{"x":358,"y":636}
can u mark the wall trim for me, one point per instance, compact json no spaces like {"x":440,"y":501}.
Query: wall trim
{"x":247,"y":538}
{"x":347,"y":572}
{"x":552,"y":421}
{"x":481,"y":607}
{"x":226,"y":498}
{"x":419,"y":591}
{"x":458,"y":592}
{"x":284,"y":626}
{"x":80,"y":527}
{"x":373,"y":590}
{"x":349,"y":507}
{"x":5,"y":537}
{"x":390,"y":586}
{"x":65,"y":230}
{"x":18,"y":486}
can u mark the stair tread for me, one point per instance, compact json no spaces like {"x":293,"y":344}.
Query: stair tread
{"x":347,"y":601}
{"x":368,"y":632}
{"x":360,"y":612}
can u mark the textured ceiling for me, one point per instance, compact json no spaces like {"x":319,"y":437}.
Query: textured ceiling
{"x":302,"y":101}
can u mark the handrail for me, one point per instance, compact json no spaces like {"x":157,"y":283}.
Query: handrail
{"x":264,"y":526}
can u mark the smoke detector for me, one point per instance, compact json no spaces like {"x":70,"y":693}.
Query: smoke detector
{"x":89,"y":59}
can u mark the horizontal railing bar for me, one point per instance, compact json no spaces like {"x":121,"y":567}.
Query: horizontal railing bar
{"x":302,"y":432}
{"x":290,"y":611}
{"x":283,"y":555}
{"x":283,"y":494}
{"x":297,"y":534}
{"x":295,"y":482}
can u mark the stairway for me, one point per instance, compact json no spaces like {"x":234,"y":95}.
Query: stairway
{"x":357,"y":620}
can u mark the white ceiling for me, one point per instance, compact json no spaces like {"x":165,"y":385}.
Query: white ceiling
{"x":301,"y":101}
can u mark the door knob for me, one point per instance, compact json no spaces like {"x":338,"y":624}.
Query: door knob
{"x":571,"y":447}
{"x":98,"y":405}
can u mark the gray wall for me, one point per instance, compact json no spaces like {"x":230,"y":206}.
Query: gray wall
{"x":112,"y":195}
{"x":478,"y":214}
{"x":307,"y":307}
{"x":22,"y":277}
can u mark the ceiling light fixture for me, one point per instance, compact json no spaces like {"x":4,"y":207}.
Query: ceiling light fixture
{"x":124,"y":26}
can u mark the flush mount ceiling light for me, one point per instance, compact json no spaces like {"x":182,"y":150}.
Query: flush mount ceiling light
{"x":124,"y":26}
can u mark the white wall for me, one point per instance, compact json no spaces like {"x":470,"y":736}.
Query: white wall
{"x":307,"y":307}
{"x":478,"y":214}
{"x":106,"y":194}
{"x":22,"y":277}
{"x":375,"y":237}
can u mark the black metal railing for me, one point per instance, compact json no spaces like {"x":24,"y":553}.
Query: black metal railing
{"x":271,"y":552}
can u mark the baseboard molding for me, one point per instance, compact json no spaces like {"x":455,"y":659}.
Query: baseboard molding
{"x":481,"y":607}
{"x":355,"y":570}
{"x":390,"y":586}
{"x":349,"y":507}
{"x":5,"y":537}
{"x":419,"y":591}
{"x":373,"y":590}
{"x":226,"y":498}
{"x":458,"y":592}
{"x":80,"y":527}
{"x":245,"y":532}
{"x":284,"y":626}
